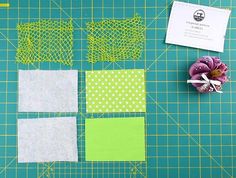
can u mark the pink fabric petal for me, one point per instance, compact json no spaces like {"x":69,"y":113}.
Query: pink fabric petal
{"x":215,"y":59}
{"x":198,"y":68}
{"x":217,"y":62}
{"x":222,"y":79}
{"x":206,"y":60}
{"x":223,"y":67}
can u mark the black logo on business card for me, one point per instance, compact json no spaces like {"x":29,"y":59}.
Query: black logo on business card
{"x":199,"y":15}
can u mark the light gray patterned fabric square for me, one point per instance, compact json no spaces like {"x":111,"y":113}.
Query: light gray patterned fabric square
{"x":47,"y":140}
{"x":48,"y":91}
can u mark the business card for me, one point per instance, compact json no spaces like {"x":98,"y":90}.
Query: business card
{"x":197,"y":26}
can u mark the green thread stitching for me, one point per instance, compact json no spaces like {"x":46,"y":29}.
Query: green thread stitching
{"x":115,"y":40}
{"x":45,"y":41}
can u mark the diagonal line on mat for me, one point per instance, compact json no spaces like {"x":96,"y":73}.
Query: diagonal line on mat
{"x":137,"y":169}
{"x":8,"y":40}
{"x":3,"y":169}
{"x":155,"y":60}
{"x":190,"y":136}
{"x":45,"y":171}
{"x":68,"y":16}
{"x":155,"y":18}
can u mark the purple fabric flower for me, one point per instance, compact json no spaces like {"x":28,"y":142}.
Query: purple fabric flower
{"x":213,"y":68}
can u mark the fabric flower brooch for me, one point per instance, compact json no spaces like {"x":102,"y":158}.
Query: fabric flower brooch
{"x":208,"y":74}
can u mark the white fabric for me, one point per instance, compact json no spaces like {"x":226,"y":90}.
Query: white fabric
{"x":48,"y":91}
{"x":47,"y":139}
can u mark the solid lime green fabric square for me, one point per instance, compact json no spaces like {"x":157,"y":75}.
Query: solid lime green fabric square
{"x":115,"y":91}
{"x":115,"y":139}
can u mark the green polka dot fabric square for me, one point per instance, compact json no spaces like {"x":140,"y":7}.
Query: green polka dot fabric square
{"x":115,"y":91}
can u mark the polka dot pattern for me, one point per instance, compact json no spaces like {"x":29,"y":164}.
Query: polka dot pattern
{"x":115,"y":91}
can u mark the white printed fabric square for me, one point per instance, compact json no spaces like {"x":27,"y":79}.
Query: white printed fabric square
{"x":48,"y":91}
{"x":115,"y":91}
{"x":47,"y":140}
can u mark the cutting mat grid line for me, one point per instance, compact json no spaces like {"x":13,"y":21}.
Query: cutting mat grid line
{"x":187,"y":134}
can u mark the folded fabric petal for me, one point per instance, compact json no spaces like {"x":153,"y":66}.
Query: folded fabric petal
{"x":206,"y":60}
{"x":198,"y":68}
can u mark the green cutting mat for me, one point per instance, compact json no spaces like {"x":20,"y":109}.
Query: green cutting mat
{"x":187,"y":134}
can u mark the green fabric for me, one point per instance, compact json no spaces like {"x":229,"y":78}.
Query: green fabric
{"x":115,"y":139}
{"x":45,"y":41}
{"x":115,"y":91}
{"x":114,"y":40}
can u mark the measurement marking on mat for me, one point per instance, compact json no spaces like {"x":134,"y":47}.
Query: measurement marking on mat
{"x":4,"y":5}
